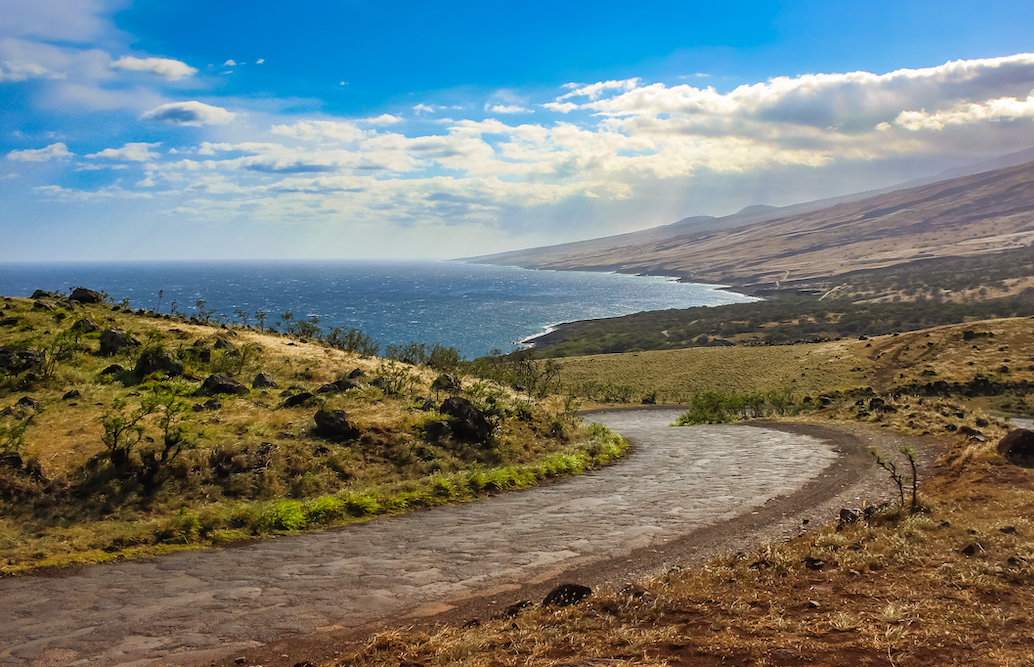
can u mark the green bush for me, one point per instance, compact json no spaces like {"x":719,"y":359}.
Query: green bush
{"x":280,"y":515}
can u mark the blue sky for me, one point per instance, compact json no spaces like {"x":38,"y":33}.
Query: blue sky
{"x":188,"y":129}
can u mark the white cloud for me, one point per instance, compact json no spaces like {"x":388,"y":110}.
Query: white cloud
{"x":260,"y":61}
{"x":188,"y":113}
{"x":51,"y":152}
{"x":426,"y":108}
{"x":167,"y":68}
{"x":562,"y":107}
{"x":507,"y":108}
{"x":383,"y":119}
{"x":319,"y":130}
{"x":230,"y":63}
{"x":1003,"y":108}
{"x":594,"y":90}
{"x":132,"y":152}
{"x":21,"y":71}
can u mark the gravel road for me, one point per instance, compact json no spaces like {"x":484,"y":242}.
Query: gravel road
{"x":680,"y":493}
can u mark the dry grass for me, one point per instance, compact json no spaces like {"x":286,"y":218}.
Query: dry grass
{"x":675,"y":375}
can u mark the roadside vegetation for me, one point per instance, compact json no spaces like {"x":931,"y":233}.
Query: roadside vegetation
{"x":126,"y":433}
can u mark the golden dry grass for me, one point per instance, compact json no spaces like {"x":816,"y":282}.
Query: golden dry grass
{"x":675,"y":375}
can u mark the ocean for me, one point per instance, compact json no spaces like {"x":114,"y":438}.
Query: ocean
{"x":474,"y":308}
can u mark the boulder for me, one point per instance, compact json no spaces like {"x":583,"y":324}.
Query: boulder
{"x":9,"y":321}
{"x":223,"y":344}
{"x":468,"y":422}
{"x":1018,"y":447}
{"x":83,"y":295}
{"x":334,"y":425}
{"x":263,"y":381}
{"x":210,"y":405}
{"x":43,"y":294}
{"x":85,"y":326}
{"x":356,"y":373}
{"x":28,"y":402}
{"x":156,"y":359}
{"x":40,"y":304}
{"x":18,"y":361}
{"x":217,"y":383}
{"x":113,"y":369}
{"x":115,"y":340}
{"x":295,"y":400}
{"x":437,"y":430}
{"x":337,"y":387}
{"x":71,"y":395}
{"x":566,"y":594}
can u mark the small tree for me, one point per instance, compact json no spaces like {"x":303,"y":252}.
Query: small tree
{"x":175,"y":438}
{"x":123,"y":430}
{"x":898,"y":478}
{"x":260,"y":316}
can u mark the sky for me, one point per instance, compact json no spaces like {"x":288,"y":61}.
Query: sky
{"x":353,"y":129}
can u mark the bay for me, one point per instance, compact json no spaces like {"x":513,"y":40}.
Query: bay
{"x":474,"y":308}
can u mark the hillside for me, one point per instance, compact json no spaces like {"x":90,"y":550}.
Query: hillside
{"x":966,"y":216}
{"x":127,"y":433}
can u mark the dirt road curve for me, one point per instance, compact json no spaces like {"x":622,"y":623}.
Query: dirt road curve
{"x":680,"y":493}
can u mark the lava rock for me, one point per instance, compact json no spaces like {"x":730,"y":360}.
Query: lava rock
{"x":223,"y":344}
{"x":334,"y":425}
{"x":566,"y":594}
{"x":263,"y":381}
{"x":295,"y":400}
{"x":337,"y":387}
{"x":468,"y":422}
{"x":85,"y":326}
{"x":217,"y":383}
{"x":156,"y":359}
{"x":1017,"y":447}
{"x":83,"y":295}
{"x":115,"y":340}
{"x":18,"y":361}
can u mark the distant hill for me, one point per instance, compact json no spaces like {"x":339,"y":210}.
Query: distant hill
{"x":979,"y":213}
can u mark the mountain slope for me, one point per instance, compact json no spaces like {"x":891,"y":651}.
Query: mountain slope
{"x":974,"y":214}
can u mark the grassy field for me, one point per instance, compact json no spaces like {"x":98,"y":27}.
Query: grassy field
{"x":674,"y":376}
{"x":99,"y":462}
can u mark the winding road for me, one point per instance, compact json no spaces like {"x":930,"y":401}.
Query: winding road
{"x":679,"y":491}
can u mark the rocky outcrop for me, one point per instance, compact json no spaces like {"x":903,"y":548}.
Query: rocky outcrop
{"x":337,"y":387}
{"x":263,"y":381}
{"x":85,"y":326}
{"x":468,"y":423}
{"x":334,"y":425}
{"x":1017,"y":447}
{"x":154,"y":360}
{"x":19,"y":361}
{"x":114,"y":341}
{"x":218,"y":383}
{"x":294,"y":400}
{"x":566,"y":594}
{"x":83,"y":295}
